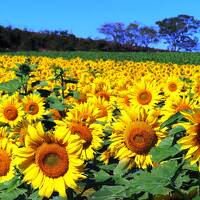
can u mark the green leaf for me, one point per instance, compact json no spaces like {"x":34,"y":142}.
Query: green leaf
{"x":55,"y":103}
{"x":164,"y":150}
{"x":157,"y":181}
{"x":101,"y":176}
{"x":177,"y":130}
{"x":109,"y":167}
{"x":171,"y":120}
{"x":10,"y":185}
{"x":196,"y":198}
{"x":182,"y":178}
{"x":42,"y":83}
{"x":110,"y":193}
{"x":34,"y":196}
{"x":190,"y":167}
{"x":121,"y":167}
{"x":75,"y":94}
{"x":71,"y":80}
{"x":10,"y":86}
{"x":12,"y":195}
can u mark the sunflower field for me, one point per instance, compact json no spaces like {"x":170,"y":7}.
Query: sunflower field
{"x":98,"y":129}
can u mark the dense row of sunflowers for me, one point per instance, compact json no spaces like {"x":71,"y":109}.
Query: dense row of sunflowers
{"x":63,"y":114}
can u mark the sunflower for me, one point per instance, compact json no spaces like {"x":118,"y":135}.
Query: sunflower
{"x":49,"y":161}
{"x":105,"y":108}
{"x":33,"y":107}
{"x":81,"y":120}
{"x":145,"y":94}
{"x":175,"y":104}
{"x":172,"y":86}
{"x":196,"y":89}
{"x":6,"y":160}
{"x":11,"y":110}
{"x":84,"y":112}
{"x":20,"y":131}
{"x":134,"y":134}
{"x":55,"y":114}
{"x":191,"y":141}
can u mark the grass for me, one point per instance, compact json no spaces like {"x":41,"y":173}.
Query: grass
{"x":162,"y":57}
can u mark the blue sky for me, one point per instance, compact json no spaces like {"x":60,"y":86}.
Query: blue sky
{"x":83,"y":17}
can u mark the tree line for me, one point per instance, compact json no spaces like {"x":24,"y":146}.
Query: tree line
{"x":179,"y":33}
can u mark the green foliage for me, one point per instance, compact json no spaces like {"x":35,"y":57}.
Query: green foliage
{"x":11,"y":86}
{"x":161,"y":57}
{"x":55,"y":103}
{"x":165,"y":150}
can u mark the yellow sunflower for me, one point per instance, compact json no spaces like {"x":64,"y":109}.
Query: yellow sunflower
{"x":50,"y":162}
{"x":6,"y":160}
{"x":172,"y":86}
{"x":192,"y":139}
{"x":175,"y":104}
{"x":196,"y":89}
{"x":81,"y":120}
{"x":145,"y":94}
{"x":19,"y":132}
{"x":33,"y":107}
{"x":11,"y":110}
{"x":105,"y":108}
{"x":134,"y":134}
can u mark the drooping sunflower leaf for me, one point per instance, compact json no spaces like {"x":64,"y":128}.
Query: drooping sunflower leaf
{"x":171,"y":120}
{"x":164,"y":150}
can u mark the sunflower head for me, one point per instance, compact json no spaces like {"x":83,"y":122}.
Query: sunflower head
{"x":50,"y":161}
{"x":134,"y":134}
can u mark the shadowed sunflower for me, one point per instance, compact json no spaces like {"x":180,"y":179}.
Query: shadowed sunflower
{"x":134,"y":134}
{"x":50,"y":162}
{"x":192,"y":139}
{"x":145,"y":94}
{"x":175,"y":104}
{"x":33,"y":107}
{"x":6,"y":160}
{"x":11,"y":110}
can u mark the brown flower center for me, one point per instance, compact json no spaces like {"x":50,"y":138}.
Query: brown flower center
{"x":104,"y":95}
{"x":144,"y":97}
{"x":83,"y":131}
{"x":10,"y":112}
{"x":52,"y":160}
{"x":55,"y":114}
{"x":4,"y":163}
{"x":172,"y":86}
{"x":103,"y":111}
{"x":140,"y":137}
{"x":32,"y":108}
{"x":126,"y":100}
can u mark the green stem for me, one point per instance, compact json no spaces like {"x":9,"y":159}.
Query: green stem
{"x":62,"y":84}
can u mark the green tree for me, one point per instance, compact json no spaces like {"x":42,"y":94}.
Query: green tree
{"x":179,"y":32}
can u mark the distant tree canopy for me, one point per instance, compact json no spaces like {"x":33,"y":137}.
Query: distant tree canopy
{"x":178,"y":33}
{"x":14,"y":39}
{"x":132,"y":35}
